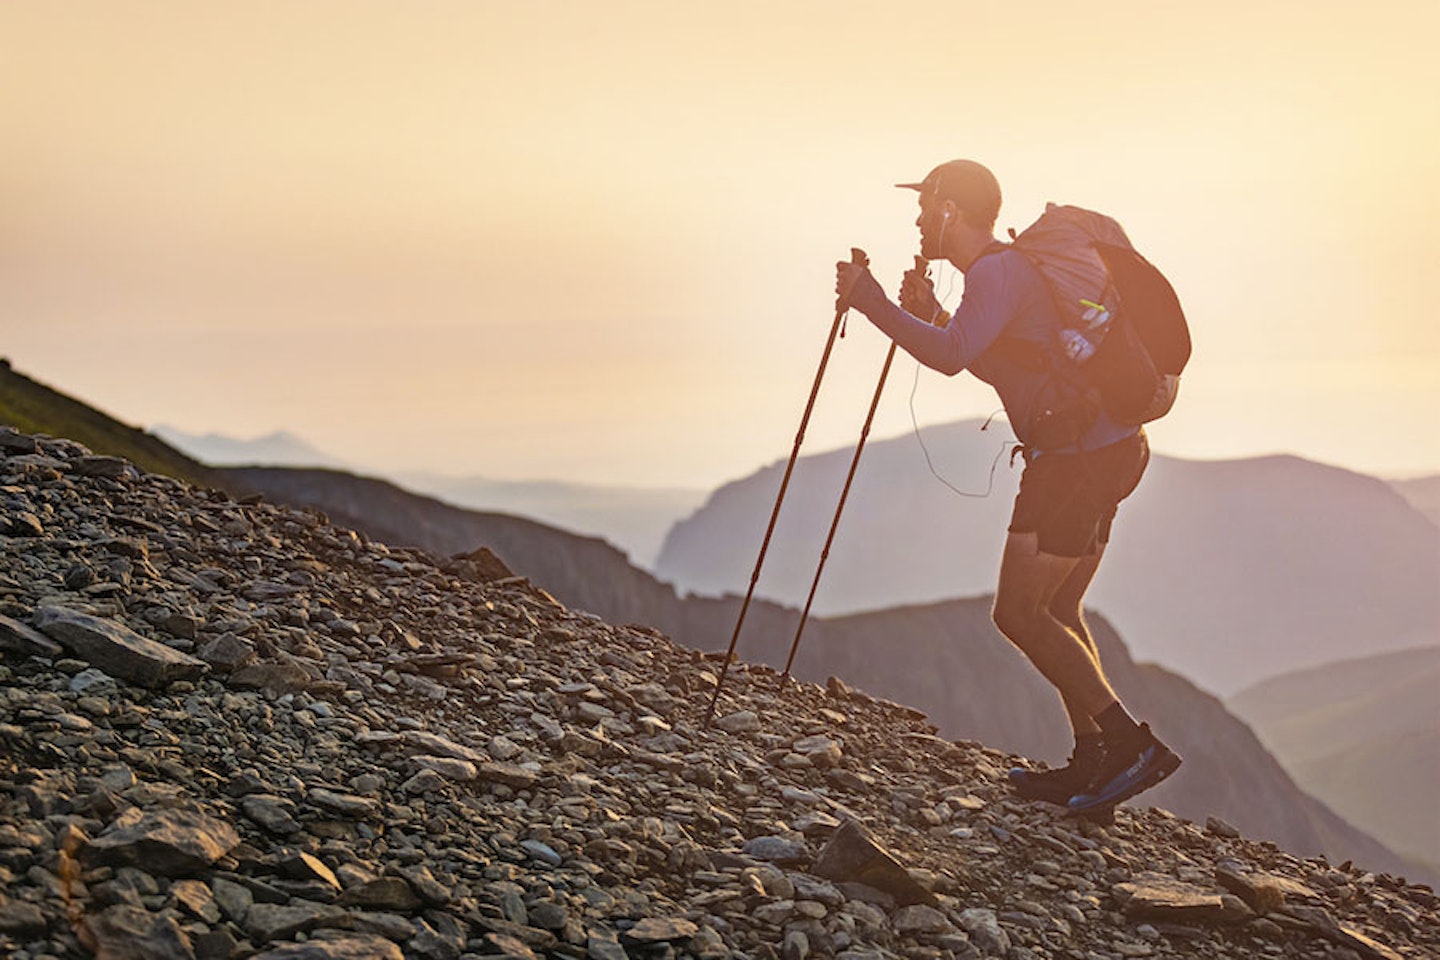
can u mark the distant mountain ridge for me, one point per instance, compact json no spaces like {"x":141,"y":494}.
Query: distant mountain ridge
{"x":636,"y":519}
{"x":279,"y":448}
{"x":1423,"y":493}
{"x":1227,"y":571}
{"x":1364,"y":735}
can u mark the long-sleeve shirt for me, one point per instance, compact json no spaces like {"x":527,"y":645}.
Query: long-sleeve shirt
{"x":1004,"y":293}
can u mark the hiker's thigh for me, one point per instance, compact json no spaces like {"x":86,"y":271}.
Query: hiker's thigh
{"x":1069,"y":500}
{"x":1028,"y":581}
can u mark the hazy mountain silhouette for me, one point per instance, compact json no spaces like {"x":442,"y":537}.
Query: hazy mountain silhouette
{"x":635,"y":519}
{"x":1364,"y":736}
{"x":1423,"y":493}
{"x":280,"y":448}
{"x":1227,"y":571}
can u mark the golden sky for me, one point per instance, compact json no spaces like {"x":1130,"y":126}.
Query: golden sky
{"x":595,"y":241}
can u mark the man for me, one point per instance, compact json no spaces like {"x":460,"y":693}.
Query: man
{"x":1069,"y":489}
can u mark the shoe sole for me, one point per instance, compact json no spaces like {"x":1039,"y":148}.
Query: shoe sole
{"x":1163,"y":767}
{"x":1029,"y":794}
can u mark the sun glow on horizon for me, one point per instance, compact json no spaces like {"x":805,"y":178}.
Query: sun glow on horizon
{"x":596,"y":243}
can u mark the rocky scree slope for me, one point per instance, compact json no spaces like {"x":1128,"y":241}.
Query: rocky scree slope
{"x":228,"y":729}
{"x":946,"y":659}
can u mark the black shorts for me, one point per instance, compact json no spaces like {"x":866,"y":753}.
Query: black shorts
{"x":1069,"y":499}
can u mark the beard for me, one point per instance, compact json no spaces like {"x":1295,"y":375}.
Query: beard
{"x":932,"y":237}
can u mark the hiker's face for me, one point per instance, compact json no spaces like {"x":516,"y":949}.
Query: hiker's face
{"x":932,"y":224}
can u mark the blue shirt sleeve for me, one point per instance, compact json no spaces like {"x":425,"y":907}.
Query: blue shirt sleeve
{"x":992,"y":297}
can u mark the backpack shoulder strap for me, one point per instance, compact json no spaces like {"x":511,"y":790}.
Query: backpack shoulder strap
{"x":993,"y":247}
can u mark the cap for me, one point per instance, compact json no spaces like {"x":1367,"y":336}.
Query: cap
{"x":971,"y":186}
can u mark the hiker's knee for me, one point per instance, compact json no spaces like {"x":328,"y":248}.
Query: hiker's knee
{"x":1068,"y":614}
{"x":1014,"y":619}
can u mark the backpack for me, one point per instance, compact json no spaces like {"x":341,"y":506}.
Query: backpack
{"x":1122,"y":341}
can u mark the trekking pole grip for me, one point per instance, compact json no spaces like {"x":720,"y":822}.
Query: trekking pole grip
{"x":859,"y":258}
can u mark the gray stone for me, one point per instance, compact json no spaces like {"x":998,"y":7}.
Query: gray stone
{"x":391,"y":926}
{"x":450,"y":768}
{"x":21,"y":919}
{"x":743,"y":721}
{"x":386,"y":893}
{"x":13,"y":441}
{"x":423,"y":882}
{"x":19,"y":638}
{"x":603,"y":945}
{"x":1344,"y":935}
{"x":197,"y":899}
{"x":658,"y":929}
{"x":343,"y":804}
{"x":1261,"y":892}
{"x":430,"y":744}
{"x":117,"y":649}
{"x":267,"y":922}
{"x":306,"y":867}
{"x":985,"y":931}
{"x":509,"y":774}
{"x":271,"y":812}
{"x":94,"y":683}
{"x":852,"y":855}
{"x":775,"y":914}
{"x":541,"y":851}
{"x":426,"y":781}
{"x":513,"y":948}
{"x":776,"y":850}
{"x":233,"y":899}
{"x":131,"y":933}
{"x":350,"y":946}
{"x":100,"y":466}
{"x":277,"y":679}
{"x":217,"y":944}
{"x":502,"y":748}
{"x":24,"y":524}
{"x":918,"y":918}
{"x":437,"y":937}
{"x":227,"y":652}
{"x":1153,"y":896}
{"x":167,"y":842}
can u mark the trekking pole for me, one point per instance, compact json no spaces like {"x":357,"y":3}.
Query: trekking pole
{"x":857,"y":256}
{"x":834,"y":524}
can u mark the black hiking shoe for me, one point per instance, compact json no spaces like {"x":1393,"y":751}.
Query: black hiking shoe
{"x":1128,"y":769}
{"x":1060,"y":784}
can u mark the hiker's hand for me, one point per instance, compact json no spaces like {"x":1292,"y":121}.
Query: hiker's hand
{"x":847,"y":275}
{"x":917,"y":295}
